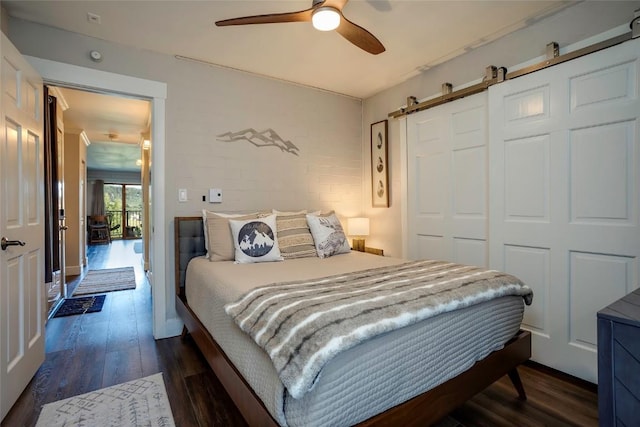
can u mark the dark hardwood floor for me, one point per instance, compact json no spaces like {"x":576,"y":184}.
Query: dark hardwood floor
{"x":90,"y":351}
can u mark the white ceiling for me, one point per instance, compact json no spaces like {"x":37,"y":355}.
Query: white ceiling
{"x":417,"y":34}
{"x":114,"y":125}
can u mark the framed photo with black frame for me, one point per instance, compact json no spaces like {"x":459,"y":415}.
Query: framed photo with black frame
{"x":379,"y":165}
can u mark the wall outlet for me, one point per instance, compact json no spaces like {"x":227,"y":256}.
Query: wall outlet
{"x":215,"y":195}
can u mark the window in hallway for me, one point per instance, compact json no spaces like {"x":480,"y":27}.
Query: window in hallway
{"x":123,"y":205}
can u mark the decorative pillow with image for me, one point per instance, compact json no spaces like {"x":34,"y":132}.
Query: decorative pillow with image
{"x":220,"y":214}
{"x":328,"y":235}
{"x":255,"y":240}
{"x":219,"y":239}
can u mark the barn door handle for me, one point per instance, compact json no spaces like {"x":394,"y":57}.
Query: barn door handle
{"x":4,"y":243}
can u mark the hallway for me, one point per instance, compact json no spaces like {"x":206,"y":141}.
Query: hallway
{"x":118,"y":253}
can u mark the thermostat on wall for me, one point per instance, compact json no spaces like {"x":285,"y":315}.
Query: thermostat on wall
{"x":215,"y":195}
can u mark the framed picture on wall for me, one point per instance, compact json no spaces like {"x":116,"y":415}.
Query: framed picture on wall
{"x":379,"y":165}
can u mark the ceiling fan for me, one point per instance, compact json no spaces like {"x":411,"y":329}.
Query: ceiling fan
{"x":326,"y":15}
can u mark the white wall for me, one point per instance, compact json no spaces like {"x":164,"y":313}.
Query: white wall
{"x":204,"y":101}
{"x":569,"y":26}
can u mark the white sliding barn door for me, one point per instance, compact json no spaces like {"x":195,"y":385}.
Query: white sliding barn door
{"x":564,"y":158}
{"x":447,"y":182}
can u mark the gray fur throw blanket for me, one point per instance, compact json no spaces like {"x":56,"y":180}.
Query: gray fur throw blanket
{"x":304,"y":324}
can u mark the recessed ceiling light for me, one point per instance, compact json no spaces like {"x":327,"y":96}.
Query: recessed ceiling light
{"x":95,"y":56}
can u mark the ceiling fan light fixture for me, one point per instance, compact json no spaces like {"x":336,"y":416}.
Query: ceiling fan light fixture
{"x":325,"y":18}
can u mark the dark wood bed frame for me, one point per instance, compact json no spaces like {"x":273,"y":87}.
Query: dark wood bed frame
{"x":422,"y":410}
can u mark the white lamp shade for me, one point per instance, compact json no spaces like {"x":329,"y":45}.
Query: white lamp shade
{"x":325,"y":19}
{"x":358,"y":226}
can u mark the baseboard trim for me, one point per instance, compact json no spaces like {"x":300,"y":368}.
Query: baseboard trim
{"x":587,"y":385}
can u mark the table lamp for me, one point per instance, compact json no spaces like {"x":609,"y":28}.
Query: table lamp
{"x":359,"y":228}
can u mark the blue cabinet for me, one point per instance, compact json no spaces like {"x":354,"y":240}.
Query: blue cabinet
{"x":619,"y":362}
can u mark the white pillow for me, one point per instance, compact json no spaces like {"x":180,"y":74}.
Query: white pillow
{"x":221,"y":246}
{"x":328,"y":235}
{"x":255,"y":240}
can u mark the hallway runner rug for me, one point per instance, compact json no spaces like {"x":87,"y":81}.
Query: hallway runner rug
{"x":108,"y":280}
{"x":141,"y":402}
{"x":82,"y":305}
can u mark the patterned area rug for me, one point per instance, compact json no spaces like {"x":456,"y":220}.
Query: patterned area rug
{"x":82,"y":305}
{"x":141,"y":402}
{"x":108,"y":280}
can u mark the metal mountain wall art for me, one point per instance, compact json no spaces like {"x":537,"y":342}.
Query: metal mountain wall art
{"x":266,"y":138}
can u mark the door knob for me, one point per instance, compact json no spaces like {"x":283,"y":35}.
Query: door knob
{"x":4,"y":243}
{"x":64,"y":227}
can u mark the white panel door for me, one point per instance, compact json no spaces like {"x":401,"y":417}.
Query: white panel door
{"x":22,"y":296}
{"x":447,"y":182}
{"x":564,"y":156}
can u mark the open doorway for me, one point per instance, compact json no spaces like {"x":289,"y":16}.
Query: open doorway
{"x":166,"y":323}
{"x":104,"y":137}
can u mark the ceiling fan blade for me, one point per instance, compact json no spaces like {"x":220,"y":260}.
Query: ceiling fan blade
{"x":273,"y":18}
{"x":359,"y":37}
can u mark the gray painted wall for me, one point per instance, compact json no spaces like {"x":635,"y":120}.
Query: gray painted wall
{"x":204,"y":101}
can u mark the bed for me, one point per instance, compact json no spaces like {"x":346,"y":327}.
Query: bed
{"x":366,"y":385}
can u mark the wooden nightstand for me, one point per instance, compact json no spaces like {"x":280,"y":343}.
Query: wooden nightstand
{"x":374,"y":251}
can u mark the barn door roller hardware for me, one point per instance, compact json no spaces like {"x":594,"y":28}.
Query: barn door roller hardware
{"x":635,"y":24}
{"x":494,"y":75}
{"x":553,"y":50}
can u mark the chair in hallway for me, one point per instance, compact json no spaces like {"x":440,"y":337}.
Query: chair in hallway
{"x":99,"y":229}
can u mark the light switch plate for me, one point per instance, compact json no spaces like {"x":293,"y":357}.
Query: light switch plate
{"x":182,"y":195}
{"x":215,"y":195}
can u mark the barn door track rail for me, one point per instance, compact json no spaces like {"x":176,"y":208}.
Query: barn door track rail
{"x":494,"y":75}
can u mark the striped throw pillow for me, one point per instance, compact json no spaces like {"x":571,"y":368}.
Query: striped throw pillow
{"x":294,"y":237}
